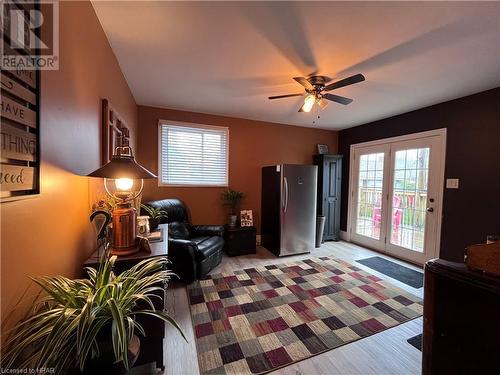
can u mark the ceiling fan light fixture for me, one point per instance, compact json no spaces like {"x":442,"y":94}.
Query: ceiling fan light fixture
{"x":309,"y":102}
{"x":317,"y":92}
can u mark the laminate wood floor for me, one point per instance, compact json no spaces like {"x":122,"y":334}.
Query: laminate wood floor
{"x":384,"y":353}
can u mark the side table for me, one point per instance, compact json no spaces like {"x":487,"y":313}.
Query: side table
{"x":240,"y":240}
{"x":152,"y":345}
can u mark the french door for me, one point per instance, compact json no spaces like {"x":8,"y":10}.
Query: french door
{"x":396,"y":195}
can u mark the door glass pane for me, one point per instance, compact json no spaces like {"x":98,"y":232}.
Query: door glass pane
{"x":411,"y":169}
{"x":370,"y":182}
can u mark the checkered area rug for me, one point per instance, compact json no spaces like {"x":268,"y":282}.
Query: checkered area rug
{"x":258,"y":319}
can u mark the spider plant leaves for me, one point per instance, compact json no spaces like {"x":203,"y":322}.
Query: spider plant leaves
{"x":120,"y":342}
{"x":63,"y":327}
{"x":73,"y":319}
{"x":84,"y":320}
{"x":154,"y":213}
{"x":88,"y":342}
{"x":66,"y":359}
{"x":142,"y":297}
{"x":105,"y":272}
{"x":91,"y":273}
{"x":164,"y":316}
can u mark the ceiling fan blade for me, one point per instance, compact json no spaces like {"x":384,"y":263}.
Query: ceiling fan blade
{"x":284,"y":96}
{"x":301,"y":109}
{"x":345,"y":82}
{"x":322,"y":103}
{"x":304,"y":82}
{"x":337,"y":99}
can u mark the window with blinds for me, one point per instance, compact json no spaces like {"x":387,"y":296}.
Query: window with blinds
{"x":194,"y":155}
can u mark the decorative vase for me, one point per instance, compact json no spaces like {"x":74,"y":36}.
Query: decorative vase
{"x":232,"y":220}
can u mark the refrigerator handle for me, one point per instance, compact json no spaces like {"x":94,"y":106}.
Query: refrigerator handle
{"x":285,"y":205}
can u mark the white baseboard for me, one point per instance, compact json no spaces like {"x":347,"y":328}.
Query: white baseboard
{"x":344,"y":236}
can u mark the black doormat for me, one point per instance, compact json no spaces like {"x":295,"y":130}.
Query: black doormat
{"x":401,"y":273}
{"x":416,"y":341}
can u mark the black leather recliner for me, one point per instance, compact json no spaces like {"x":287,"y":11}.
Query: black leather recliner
{"x":194,"y":250}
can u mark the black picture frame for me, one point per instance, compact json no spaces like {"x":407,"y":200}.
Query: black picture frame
{"x":18,"y":87}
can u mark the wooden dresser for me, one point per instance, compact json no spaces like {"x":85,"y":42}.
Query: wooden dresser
{"x":461,"y":320}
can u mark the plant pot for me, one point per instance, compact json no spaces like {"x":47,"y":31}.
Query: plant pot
{"x":153,"y":223}
{"x":105,"y":363}
{"x":232,"y":220}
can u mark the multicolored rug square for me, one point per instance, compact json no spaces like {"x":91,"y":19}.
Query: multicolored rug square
{"x":259,"y":319}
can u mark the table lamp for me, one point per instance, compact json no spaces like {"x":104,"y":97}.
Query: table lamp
{"x":123,"y":181}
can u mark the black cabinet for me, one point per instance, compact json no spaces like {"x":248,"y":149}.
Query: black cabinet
{"x":239,"y":240}
{"x":329,"y":179}
{"x":461,"y":329}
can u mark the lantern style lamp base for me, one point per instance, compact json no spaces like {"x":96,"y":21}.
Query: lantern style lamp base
{"x":125,"y":241}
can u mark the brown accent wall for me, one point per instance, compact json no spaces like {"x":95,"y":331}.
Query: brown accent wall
{"x":252,"y":145}
{"x":51,"y":234}
{"x":471,"y":212}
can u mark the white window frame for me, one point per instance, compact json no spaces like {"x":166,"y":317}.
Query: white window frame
{"x":191,"y":125}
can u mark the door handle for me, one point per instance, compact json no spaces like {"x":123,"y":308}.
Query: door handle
{"x":430,"y":209}
{"x":285,"y":205}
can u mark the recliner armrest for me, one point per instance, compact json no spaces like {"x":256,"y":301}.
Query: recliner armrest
{"x":207,"y":230}
{"x":182,"y":254}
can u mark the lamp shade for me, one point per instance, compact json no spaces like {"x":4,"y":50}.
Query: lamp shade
{"x":122,"y":166}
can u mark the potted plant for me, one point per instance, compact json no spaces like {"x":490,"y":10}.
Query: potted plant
{"x":79,"y":322}
{"x":232,"y":199}
{"x":105,"y":203}
{"x":155,"y":215}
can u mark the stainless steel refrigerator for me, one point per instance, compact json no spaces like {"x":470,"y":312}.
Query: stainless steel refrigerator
{"x":288,"y":208}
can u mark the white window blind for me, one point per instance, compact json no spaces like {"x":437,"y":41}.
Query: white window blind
{"x":193,"y":155}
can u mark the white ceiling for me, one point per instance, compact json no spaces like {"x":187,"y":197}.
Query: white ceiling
{"x":227,"y":57}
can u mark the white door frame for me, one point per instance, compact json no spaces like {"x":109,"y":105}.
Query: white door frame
{"x":441,"y":133}
{"x":379,"y":148}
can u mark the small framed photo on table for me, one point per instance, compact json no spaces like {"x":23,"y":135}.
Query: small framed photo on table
{"x":322,"y":149}
{"x":246,"y":218}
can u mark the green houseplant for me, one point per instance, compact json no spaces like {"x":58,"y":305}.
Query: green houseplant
{"x":155,"y":215}
{"x":105,"y":203}
{"x":232,"y":199}
{"x":77,"y":320}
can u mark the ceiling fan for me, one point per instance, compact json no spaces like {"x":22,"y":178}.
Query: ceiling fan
{"x":316,"y":88}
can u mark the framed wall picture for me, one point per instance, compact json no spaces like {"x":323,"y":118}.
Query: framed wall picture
{"x":19,"y":123}
{"x":322,"y":149}
{"x":115,"y":131}
{"x":246,"y":218}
